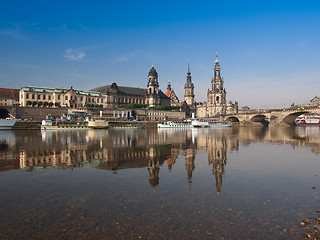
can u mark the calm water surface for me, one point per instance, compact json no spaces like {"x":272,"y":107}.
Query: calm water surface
{"x":239,"y":183}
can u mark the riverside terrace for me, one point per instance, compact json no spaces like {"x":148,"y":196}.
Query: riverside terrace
{"x":274,"y":116}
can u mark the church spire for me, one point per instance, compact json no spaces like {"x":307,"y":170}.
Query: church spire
{"x":217,"y":60}
{"x":189,"y":73}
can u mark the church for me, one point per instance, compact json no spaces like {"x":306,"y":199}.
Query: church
{"x":118,"y":95}
{"x":151,"y":96}
{"x":216,"y":104}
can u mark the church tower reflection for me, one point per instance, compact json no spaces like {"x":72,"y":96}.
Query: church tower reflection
{"x":153,"y":168}
{"x":217,"y":156}
{"x":190,"y":157}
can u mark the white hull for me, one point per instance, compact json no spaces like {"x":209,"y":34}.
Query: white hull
{"x":7,"y":124}
{"x":174,"y":125}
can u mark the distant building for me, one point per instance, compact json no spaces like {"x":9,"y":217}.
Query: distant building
{"x":315,"y":101}
{"x":174,"y":100}
{"x":9,"y":97}
{"x":64,"y":97}
{"x":118,"y":95}
{"x":216,"y":104}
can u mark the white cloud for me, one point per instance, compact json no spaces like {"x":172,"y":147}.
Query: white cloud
{"x":74,"y":54}
{"x":127,"y":57}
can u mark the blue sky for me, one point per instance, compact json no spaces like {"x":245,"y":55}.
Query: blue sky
{"x":268,"y":50}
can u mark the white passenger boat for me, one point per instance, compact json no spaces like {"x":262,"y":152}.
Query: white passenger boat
{"x":175,"y":124}
{"x":200,"y":124}
{"x":7,"y":123}
{"x":48,"y":125}
{"x":218,"y":124}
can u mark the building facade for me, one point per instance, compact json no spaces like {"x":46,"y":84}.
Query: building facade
{"x":216,"y":104}
{"x":151,"y":96}
{"x":60,"y":97}
{"x":9,"y":97}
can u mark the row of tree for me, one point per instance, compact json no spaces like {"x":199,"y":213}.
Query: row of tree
{"x":40,"y":103}
{"x":50,"y":104}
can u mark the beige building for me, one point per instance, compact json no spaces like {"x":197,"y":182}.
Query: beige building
{"x":63,"y":97}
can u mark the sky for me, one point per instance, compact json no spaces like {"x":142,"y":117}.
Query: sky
{"x":268,"y":50}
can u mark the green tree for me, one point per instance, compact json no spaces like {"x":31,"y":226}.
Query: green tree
{"x":51,"y":104}
{"x":45,"y":104}
{"x":57,"y":104}
{"x":40,"y":103}
{"x":34,"y":103}
{"x":29,"y":103}
{"x":133,"y":105}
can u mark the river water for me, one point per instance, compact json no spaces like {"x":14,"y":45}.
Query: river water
{"x":236,"y":183}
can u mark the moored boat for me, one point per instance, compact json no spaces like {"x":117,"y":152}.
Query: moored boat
{"x":175,"y":124}
{"x":7,"y":124}
{"x":218,"y":124}
{"x":308,"y":120}
{"x":200,"y":124}
{"x":48,"y":125}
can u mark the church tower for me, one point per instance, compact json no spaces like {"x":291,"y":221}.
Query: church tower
{"x":189,"y":90}
{"x":153,"y":88}
{"x":217,"y":97}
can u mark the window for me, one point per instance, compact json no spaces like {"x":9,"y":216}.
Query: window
{"x":49,"y":97}
{"x":217,"y":99}
{"x":101,"y":100}
{"x":33,"y":96}
{"x":66,"y":97}
{"x":98,"y":100}
{"x":27,"y":95}
{"x":81,"y":98}
{"x":75,"y":98}
{"x":70,"y":97}
{"x":58,"y":97}
{"x":89,"y":99}
{"x":39,"y":96}
{"x":44,"y":97}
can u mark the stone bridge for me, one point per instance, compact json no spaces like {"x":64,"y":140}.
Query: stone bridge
{"x":274,"y":116}
{"x":6,"y":110}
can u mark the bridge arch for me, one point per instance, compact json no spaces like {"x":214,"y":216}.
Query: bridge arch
{"x":260,"y":118}
{"x":289,"y":119}
{"x":233,"y":119}
{"x":4,"y":113}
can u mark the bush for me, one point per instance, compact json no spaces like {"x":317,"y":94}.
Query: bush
{"x":34,"y":103}
{"x":133,"y":105}
{"x":40,"y":103}
{"x":45,"y":104}
{"x":164,"y":107}
{"x":51,"y":104}
{"x":29,"y":103}
{"x":57,"y":104}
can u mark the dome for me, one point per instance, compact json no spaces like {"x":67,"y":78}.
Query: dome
{"x":153,"y":72}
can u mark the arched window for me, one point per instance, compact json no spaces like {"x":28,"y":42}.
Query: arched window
{"x":217,"y":99}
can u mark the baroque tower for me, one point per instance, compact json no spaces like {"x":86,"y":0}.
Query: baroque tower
{"x":217,"y":96}
{"x":153,"y":88}
{"x":189,"y":90}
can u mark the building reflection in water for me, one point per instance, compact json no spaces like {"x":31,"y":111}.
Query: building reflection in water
{"x":123,"y":149}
